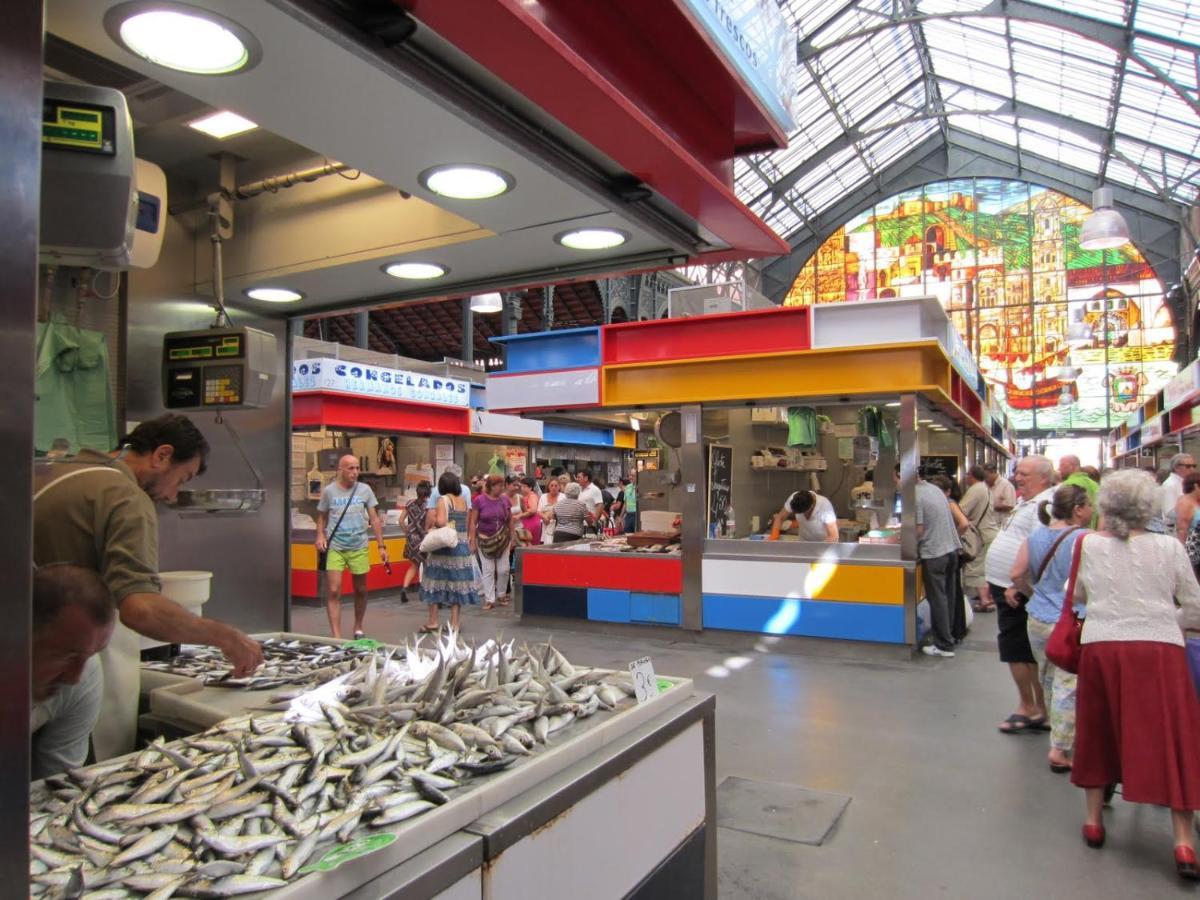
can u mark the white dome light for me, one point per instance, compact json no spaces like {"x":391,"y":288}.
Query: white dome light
{"x":415,"y":270}
{"x":487,"y":303}
{"x":592,"y":238}
{"x":181,"y":37}
{"x":274,"y":294}
{"x":467,"y":182}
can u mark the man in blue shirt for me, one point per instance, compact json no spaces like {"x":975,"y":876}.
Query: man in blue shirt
{"x":345,"y":511}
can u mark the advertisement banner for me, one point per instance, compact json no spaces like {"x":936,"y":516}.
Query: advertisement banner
{"x":376,"y":381}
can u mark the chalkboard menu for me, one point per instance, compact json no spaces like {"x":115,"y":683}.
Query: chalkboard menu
{"x":939,"y":465}
{"x":720,"y":482}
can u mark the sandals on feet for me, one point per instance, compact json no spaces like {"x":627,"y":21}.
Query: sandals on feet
{"x":1019,"y":724}
{"x":429,"y":629}
{"x":486,"y":606}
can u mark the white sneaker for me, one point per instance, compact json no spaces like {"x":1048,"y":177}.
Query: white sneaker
{"x":935,"y":650}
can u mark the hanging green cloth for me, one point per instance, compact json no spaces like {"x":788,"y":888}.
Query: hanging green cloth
{"x":72,"y":394}
{"x":871,"y":423}
{"x":802,"y":426}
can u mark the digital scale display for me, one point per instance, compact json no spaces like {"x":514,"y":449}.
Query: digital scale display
{"x":79,"y":126}
{"x":217,"y":346}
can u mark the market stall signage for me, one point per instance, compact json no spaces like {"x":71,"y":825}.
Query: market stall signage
{"x":961,"y":358}
{"x":756,"y":39}
{"x":540,"y":390}
{"x":376,"y":381}
{"x":1183,"y":387}
{"x":500,"y":425}
{"x":645,"y":685}
{"x":1152,"y":431}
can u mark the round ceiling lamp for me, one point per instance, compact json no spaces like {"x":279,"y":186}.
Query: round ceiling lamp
{"x":467,"y":182}
{"x":274,"y":294}
{"x":487,"y":303}
{"x":592,"y":238}
{"x":1105,"y":228}
{"x":183,"y":37}
{"x":416,"y":271}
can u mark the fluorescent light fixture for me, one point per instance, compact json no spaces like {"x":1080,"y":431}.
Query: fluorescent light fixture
{"x":223,"y":124}
{"x":417,"y":271}
{"x":894,"y":403}
{"x":274,"y":294}
{"x":592,"y":238}
{"x":467,"y":182}
{"x":182,"y":37}
{"x":487,"y":303}
{"x":1105,"y":228}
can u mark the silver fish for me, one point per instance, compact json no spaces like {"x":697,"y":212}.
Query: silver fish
{"x":151,"y":843}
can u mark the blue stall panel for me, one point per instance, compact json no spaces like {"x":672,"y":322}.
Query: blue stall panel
{"x":662,"y":609}
{"x":607,"y":606}
{"x":568,"y":348}
{"x":806,"y":618}
{"x":554,"y":433}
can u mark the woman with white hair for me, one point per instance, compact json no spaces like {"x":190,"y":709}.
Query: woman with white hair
{"x":568,"y":515}
{"x":1137,"y":716}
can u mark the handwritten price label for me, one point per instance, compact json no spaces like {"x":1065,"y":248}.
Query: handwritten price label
{"x":645,"y":685}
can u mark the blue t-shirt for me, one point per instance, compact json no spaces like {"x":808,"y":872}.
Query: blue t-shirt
{"x":1046,"y":603}
{"x":352,"y":533}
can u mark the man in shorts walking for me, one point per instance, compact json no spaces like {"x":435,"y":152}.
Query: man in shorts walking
{"x":345,"y":511}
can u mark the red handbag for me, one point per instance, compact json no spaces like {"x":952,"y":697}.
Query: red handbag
{"x":1063,"y":648}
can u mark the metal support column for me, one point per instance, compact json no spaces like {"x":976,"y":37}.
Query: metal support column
{"x":910,"y":459}
{"x":21,"y":138}
{"x":468,"y":332}
{"x":510,"y":312}
{"x":548,"y":308}
{"x":296,"y":326}
{"x":362,"y":330}
{"x":691,"y":463}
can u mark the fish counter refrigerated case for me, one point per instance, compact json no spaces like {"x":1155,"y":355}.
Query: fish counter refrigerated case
{"x":661,"y":748}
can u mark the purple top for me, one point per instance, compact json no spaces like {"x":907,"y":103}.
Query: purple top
{"x":494,"y":513}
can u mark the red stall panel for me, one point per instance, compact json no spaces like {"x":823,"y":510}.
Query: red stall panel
{"x":312,"y":409}
{"x":630,"y":573}
{"x":725,"y":334}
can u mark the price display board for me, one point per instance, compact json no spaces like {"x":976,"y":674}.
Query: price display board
{"x":720,"y":481}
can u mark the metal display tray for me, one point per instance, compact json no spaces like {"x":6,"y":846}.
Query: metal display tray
{"x":488,"y":792}
{"x":188,"y":701}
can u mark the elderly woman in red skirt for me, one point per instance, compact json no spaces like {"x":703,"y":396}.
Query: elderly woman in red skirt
{"x":1138,"y":719}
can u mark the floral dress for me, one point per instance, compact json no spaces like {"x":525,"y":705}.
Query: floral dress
{"x":449,"y":578}
{"x":414,"y":531}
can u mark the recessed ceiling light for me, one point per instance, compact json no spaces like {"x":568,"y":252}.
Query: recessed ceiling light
{"x":182,"y":37}
{"x":274,"y":294}
{"x":467,"y":182}
{"x":223,"y":124}
{"x":925,"y":421}
{"x":592,"y":238}
{"x":895,"y":403}
{"x":415,"y":270}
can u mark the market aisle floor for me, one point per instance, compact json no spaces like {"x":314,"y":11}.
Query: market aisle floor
{"x":943,"y":805}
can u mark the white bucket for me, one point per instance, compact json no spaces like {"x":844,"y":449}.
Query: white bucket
{"x":189,"y":589}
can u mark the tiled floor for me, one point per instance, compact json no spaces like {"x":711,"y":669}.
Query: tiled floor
{"x":942,"y":805}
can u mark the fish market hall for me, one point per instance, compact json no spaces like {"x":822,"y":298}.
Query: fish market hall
{"x":621,"y":450}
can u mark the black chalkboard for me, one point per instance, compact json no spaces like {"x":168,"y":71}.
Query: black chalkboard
{"x":720,"y":481}
{"x":939,"y":465}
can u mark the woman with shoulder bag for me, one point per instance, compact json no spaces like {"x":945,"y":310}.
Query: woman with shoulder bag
{"x":449,"y":575}
{"x":1137,"y":716}
{"x":1040,"y":572}
{"x":976,"y":506}
{"x":491,"y":535}
{"x":958,"y":605}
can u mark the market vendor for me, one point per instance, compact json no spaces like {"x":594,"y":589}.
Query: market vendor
{"x":98,"y":510}
{"x":73,"y":620}
{"x":813,"y":515}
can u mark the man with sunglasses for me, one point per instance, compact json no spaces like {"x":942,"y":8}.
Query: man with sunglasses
{"x":1182,"y":464}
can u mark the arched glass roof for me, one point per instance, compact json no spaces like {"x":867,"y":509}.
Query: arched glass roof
{"x":1107,"y":90}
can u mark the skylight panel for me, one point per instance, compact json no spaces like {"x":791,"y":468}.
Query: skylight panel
{"x":1121,"y":173}
{"x":941,"y":7}
{"x":889,"y":146}
{"x":1158,"y":130}
{"x":1174,"y":62}
{"x":1060,"y":145}
{"x":1056,"y":40}
{"x":1112,"y":11}
{"x":1090,"y":108}
{"x":1169,"y":18}
{"x":903,"y":106}
{"x":956,"y":97}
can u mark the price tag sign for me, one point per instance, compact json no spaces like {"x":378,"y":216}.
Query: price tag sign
{"x":645,"y":685}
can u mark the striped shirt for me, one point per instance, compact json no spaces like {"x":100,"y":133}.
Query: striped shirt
{"x":569,"y":516}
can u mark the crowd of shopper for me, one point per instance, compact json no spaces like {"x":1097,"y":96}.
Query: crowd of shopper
{"x":1071,"y":548}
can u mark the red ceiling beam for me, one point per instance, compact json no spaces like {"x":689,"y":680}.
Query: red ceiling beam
{"x":636,"y":81}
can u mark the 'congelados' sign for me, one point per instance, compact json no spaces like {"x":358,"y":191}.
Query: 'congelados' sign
{"x":377,"y":381}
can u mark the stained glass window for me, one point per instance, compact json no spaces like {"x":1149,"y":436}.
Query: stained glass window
{"x":1070,"y":338}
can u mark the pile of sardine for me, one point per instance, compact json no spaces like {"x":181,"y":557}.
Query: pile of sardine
{"x":285,"y":663}
{"x":245,"y":805}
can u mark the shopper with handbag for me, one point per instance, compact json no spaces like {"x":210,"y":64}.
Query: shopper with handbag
{"x":976,"y":505}
{"x":1040,"y":573}
{"x":1138,"y":719}
{"x":491,"y":530}
{"x":449,"y":576}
